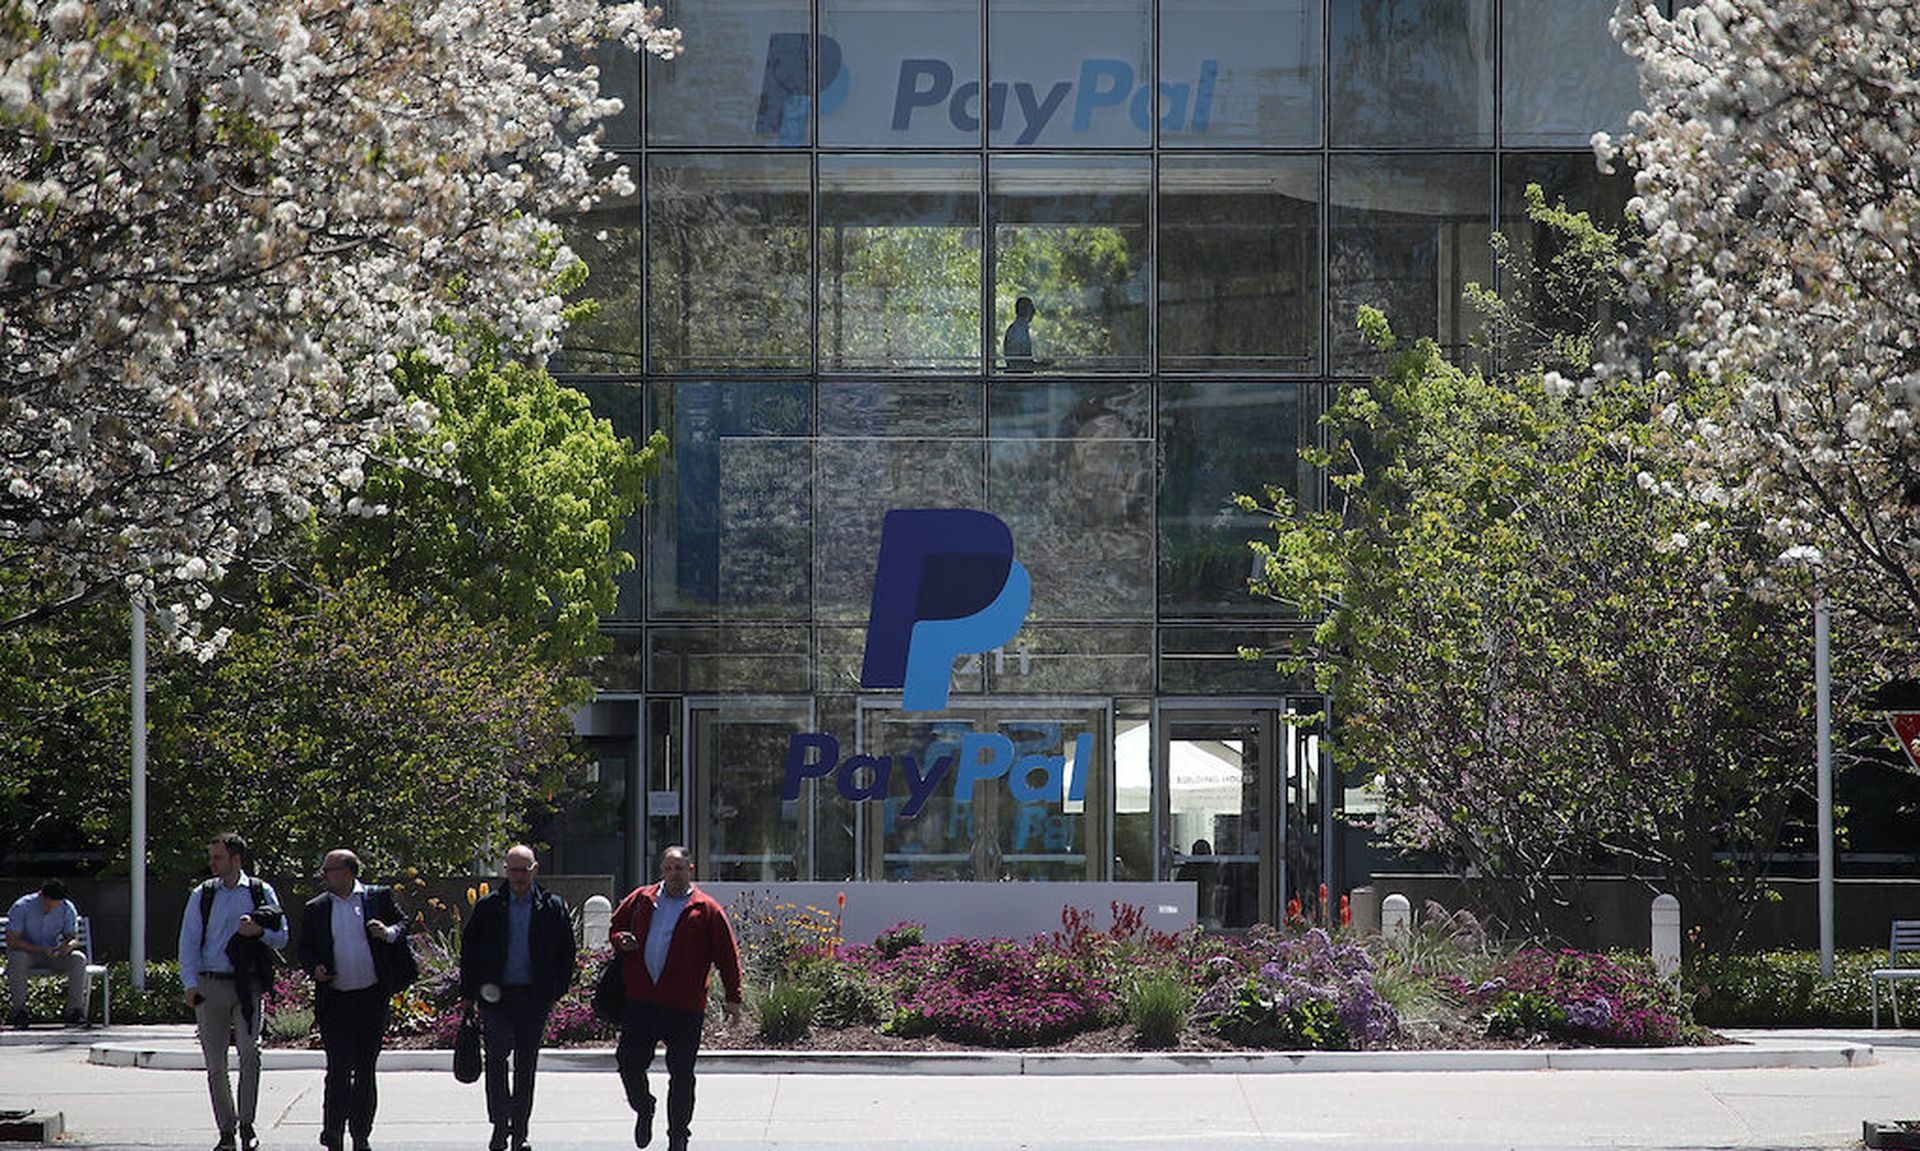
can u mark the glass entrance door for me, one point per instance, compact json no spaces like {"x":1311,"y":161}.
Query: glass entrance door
{"x":1222,"y":805}
{"x":737,"y":752}
{"x":1001,"y":828}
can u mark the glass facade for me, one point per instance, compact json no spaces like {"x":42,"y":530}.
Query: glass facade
{"x":1091,"y":266}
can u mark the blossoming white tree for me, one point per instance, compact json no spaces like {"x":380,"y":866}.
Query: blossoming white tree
{"x":220,"y":223}
{"x":1777,"y":164}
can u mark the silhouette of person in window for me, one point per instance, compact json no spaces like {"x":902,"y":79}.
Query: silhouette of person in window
{"x":1205,"y":871}
{"x":1017,"y":346}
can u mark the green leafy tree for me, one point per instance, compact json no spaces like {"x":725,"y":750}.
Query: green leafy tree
{"x":1516,"y":632}
{"x":508,"y":505}
{"x":405,"y":729}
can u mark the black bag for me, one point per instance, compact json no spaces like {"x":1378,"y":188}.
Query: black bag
{"x":610,"y":992}
{"x":466,"y":1049}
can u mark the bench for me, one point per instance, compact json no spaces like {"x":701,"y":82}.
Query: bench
{"x":94,"y":970}
{"x":1903,"y":940}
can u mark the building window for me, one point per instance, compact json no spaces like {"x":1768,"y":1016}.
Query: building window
{"x":728,"y":270}
{"x":1240,"y":263}
{"x":1412,"y":73}
{"x":1240,"y":72}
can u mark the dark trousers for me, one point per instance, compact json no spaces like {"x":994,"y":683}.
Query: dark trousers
{"x":512,"y":1028}
{"x":645,"y":1025}
{"x":351,"y":1026}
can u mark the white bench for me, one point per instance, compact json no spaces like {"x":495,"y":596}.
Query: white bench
{"x":94,"y":970}
{"x":1904,"y":939}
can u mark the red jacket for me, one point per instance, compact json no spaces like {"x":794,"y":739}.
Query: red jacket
{"x":702,"y":940}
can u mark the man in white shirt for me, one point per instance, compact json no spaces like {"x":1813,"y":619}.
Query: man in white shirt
{"x":230,"y":904}
{"x":351,"y":936}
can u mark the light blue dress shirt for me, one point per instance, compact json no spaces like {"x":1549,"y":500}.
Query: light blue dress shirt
{"x":41,"y":927}
{"x":199,"y":954}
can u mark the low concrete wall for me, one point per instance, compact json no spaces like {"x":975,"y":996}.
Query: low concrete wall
{"x":974,"y":910}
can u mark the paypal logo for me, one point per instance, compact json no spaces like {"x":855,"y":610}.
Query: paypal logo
{"x":946,"y":585}
{"x":927,"y":85}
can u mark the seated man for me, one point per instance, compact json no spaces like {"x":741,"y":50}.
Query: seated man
{"x":43,"y":934}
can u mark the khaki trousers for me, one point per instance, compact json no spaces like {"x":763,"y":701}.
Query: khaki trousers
{"x":222,"y":1025}
{"x":21,"y":967}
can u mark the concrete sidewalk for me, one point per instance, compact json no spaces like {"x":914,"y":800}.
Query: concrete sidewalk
{"x":1769,"y":1107}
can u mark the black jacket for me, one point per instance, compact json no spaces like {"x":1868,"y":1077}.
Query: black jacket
{"x":395,"y":971}
{"x":483,"y":945}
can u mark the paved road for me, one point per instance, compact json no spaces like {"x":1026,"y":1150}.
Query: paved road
{"x":123,"y":1107}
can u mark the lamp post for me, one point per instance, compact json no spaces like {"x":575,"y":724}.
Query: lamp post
{"x":1823,"y":728}
{"x":137,"y":918}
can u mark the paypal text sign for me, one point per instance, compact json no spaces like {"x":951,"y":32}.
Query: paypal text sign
{"x":912,"y":91}
{"x":945,"y":585}
{"x":982,"y":757}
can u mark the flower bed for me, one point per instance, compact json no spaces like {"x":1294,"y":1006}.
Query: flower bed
{"x":1083,"y":988}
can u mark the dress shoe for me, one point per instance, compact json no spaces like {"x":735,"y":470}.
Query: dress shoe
{"x":248,"y":1140}
{"x":643,"y":1129}
{"x":499,"y":1140}
{"x":676,"y":1143}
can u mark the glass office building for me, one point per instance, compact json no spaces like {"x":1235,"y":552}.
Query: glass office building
{"x":841,"y":204}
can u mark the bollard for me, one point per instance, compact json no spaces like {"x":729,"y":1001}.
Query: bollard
{"x":1396,"y":916}
{"x":1666,"y":935}
{"x":595,"y":918}
{"x":1366,"y":910}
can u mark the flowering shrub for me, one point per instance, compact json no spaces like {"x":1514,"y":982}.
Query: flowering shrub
{"x":992,"y":991}
{"x":1580,"y":995}
{"x":1274,"y":990}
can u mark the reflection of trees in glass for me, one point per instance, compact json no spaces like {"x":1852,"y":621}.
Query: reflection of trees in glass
{"x":1218,"y":439}
{"x":1083,"y":513}
{"x":731,"y":511}
{"x":900,"y":296}
{"x":1088,"y":282}
{"x":748,"y":767}
{"x":607,"y":337}
{"x":729,"y":265}
{"x":1411,"y":71}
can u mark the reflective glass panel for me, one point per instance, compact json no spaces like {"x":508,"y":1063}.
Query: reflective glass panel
{"x":915,"y":408}
{"x":861,"y":480}
{"x":1563,"y":76}
{"x":900,"y":263}
{"x":729,"y":262}
{"x":729,"y":514}
{"x":1081,"y":512}
{"x":1206,"y":660}
{"x":900,"y":73}
{"x":624,"y":406}
{"x":727,"y":657}
{"x":1571,"y":180}
{"x":1413,"y":72}
{"x":1074,"y":660}
{"x":1218,"y":439}
{"x":1240,"y":72}
{"x":1407,"y":234}
{"x":1070,"y":73}
{"x":1001,"y":829}
{"x":742,"y":80}
{"x":1075,"y":409}
{"x":1070,"y":236}
{"x":739,"y":756}
{"x":619,"y":78}
{"x":607,"y":240}
{"x":1240,"y":263}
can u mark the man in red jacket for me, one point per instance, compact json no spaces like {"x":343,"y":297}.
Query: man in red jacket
{"x":670,"y":936}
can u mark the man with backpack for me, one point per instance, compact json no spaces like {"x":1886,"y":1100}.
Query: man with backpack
{"x":231,"y":914}
{"x":353,"y":943}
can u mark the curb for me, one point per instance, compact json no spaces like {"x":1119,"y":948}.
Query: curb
{"x":1746,"y":1056}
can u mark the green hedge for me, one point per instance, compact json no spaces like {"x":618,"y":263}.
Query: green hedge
{"x":162,"y":1002}
{"x":1785,"y":989}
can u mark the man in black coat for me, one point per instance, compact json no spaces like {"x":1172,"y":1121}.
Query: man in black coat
{"x":516,"y":959}
{"x":353,"y":943}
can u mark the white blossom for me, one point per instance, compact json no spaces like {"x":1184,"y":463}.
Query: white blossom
{"x":1775,"y":177}
{"x":220,"y":221}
